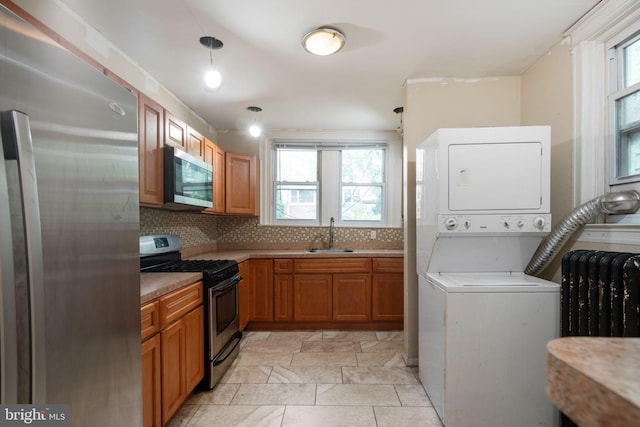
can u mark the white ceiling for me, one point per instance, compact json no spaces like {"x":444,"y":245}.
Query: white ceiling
{"x":263,"y":63}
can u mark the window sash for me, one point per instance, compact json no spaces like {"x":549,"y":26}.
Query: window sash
{"x":624,"y":117}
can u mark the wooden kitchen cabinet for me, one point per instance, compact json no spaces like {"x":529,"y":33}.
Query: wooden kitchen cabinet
{"x":387,"y":289}
{"x":261,"y":289}
{"x":173,"y":355}
{"x":195,"y":143}
{"x":387,"y":297}
{"x":241,"y":184}
{"x":173,"y":341}
{"x":244,"y":299}
{"x":150,"y":154}
{"x":313,"y":297}
{"x":194,"y":349}
{"x":151,"y":369}
{"x":175,"y":131}
{"x":352,"y":297}
{"x":282,"y":297}
{"x":151,"y":388}
{"x":214,"y":156}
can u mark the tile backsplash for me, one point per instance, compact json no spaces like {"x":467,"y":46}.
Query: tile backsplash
{"x":202,"y":233}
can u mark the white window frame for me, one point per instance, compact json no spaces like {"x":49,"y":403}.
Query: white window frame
{"x":591,"y":37}
{"x":330,"y":177}
{"x":617,"y":91}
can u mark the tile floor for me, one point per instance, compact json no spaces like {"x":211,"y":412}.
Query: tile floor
{"x":314,"y":378}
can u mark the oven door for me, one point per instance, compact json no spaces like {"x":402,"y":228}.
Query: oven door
{"x":223,"y":314}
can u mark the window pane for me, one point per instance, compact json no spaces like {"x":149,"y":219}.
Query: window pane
{"x":297,"y":165}
{"x":628,"y":135}
{"x":361,"y":203}
{"x":362,"y":166}
{"x":296,"y":201}
{"x":632,"y":63}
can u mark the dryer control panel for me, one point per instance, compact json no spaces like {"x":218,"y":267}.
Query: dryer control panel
{"x":494,"y":224}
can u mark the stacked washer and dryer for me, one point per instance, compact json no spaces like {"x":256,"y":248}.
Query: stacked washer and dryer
{"x":483,"y":206}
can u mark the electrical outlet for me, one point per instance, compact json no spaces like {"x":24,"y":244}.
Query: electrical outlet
{"x":373,"y":235}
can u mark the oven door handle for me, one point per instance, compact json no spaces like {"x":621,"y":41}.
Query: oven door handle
{"x":226,"y":284}
{"x":236,"y":337}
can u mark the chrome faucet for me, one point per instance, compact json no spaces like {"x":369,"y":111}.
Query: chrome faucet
{"x":332,"y":233}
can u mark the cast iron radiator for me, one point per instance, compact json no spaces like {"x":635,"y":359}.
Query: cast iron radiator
{"x":600,"y":296}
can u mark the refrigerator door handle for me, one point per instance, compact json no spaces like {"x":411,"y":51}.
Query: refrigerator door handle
{"x":8,"y":334}
{"x":17,"y":145}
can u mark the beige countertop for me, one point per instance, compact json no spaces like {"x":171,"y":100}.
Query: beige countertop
{"x":595,"y":380}
{"x":244,"y":254}
{"x":154,"y":285}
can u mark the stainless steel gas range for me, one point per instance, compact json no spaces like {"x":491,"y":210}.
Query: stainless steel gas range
{"x":161,"y":253}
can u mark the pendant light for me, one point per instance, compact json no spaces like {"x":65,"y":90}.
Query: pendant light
{"x":400,"y":128}
{"x":255,"y":130}
{"x":212,"y":78}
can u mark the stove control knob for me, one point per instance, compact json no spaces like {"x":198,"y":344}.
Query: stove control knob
{"x":467,"y":224}
{"x":450,"y":223}
{"x":539,"y":223}
{"x":520,"y":223}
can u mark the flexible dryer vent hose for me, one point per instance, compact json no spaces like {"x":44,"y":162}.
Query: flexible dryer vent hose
{"x":623,"y":202}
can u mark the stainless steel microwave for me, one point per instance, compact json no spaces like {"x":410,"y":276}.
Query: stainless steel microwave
{"x":188,"y":181}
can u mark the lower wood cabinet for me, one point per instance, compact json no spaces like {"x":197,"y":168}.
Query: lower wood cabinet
{"x":282,"y":297}
{"x":352,"y":297}
{"x":261,"y":287}
{"x":313,"y":297}
{"x":387,"y":296}
{"x":182,"y":360}
{"x":324,"y":291}
{"x":172,"y":329}
{"x":151,"y":387}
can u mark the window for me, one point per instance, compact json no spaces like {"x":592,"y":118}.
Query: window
{"x":625,"y":110}
{"x":310,"y":182}
{"x":604,"y":42}
{"x":361,"y":185}
{"x":296,"y":185}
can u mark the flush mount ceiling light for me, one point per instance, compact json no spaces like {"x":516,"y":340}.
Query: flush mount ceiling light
{"x":254,"y":129}
{"x":323,"y":41}
{"x":212,"y":78}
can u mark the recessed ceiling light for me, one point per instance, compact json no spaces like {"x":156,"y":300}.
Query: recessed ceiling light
{"x":323,"y":41}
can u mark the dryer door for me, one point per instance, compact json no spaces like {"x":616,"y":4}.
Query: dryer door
{"x":495,"y":176}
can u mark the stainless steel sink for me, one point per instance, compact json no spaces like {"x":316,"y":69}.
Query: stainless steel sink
{"x":329,"y":251}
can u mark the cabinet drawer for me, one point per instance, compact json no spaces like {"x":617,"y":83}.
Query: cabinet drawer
{"x":178,"y":303}
{"x":388,"y":265}
{"x":283,"y":265}
{"x":149,"y":319}
{"x":332,"y":265}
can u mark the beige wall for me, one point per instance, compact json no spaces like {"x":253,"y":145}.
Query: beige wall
{"x":430,"y":104}
{"x":72,"y":28}
{"x":547,"y":98}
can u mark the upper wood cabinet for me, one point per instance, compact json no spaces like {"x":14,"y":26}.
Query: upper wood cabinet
{"x":175,"y":131}
{"x":180,"y":135}
{"x":150,"y":143}
{"x":214,"y":156}
{"x":195,"y":143}
{"x":241,"y":184}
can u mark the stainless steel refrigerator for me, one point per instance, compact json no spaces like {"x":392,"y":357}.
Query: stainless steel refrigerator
{"x":69,"y":226}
